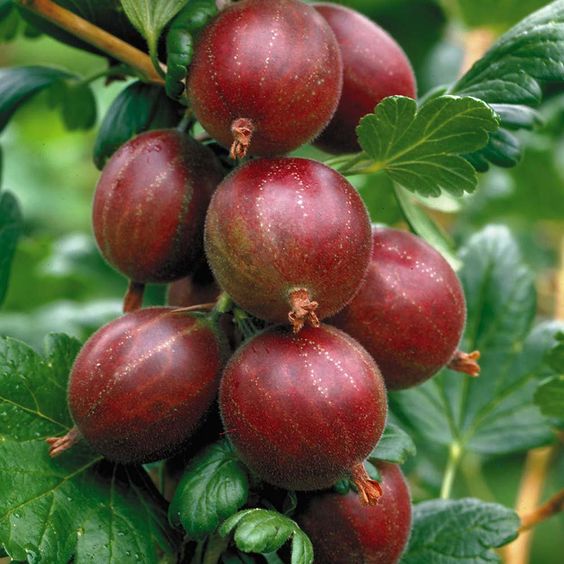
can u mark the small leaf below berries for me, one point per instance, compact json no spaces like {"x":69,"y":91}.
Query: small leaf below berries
{"x":395,"y":445}
{"x":214,"y":486}
{"x":11,"y":225}
{"x":422,"y":149}
{"x":77,"y":507}
{"x":263,"y":531}
{"x":460,"y":531}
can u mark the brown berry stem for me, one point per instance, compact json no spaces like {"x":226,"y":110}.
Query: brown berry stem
{"x":553,"y":506}
{"x":369,"y":490}
{"x":302,"y":310}
{"x":133,"y":299}
{"x":198,"y":307}
{"x":242,"y":130}
{"x":466,"y":363}
{"x":58,"y":445}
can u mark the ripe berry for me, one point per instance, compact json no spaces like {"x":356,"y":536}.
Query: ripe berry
{"x":304,"y":410}
{"x":285,"y":235}
{"x":343,"y":531}
{"x":150,"y":205}
{"x":266,"y":74}
{"x":374,"y":66}
{"x":140,"y":385}
{"x":410,"y":312}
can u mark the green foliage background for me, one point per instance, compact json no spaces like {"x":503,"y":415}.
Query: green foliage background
{"x":60,"y":283}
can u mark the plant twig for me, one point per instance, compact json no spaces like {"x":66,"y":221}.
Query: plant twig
{"x":553,"y":506}
{"x":454,"y":455}
{"x":88,"y":32}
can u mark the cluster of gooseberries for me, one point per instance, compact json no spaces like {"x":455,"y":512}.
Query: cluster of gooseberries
{"x":290,"y":242}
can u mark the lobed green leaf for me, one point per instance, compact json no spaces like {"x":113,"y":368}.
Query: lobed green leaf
{"x":422,"y":149}
{"x":75,"y":507}
{"x":508,"y":78}
{"x":495,"y":413}
{"x":460,"y":531}
{"x":263,"y":531}
{"x":11,"y":225}
{"x":213,"y":487}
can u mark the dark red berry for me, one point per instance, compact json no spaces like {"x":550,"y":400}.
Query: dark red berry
{"x":285,"y":235}
{"x":344,"y":531}
{"x":150,"y":205}
{"x":267,"y":75}
{"x":374,"y":66}
{"x":140,"y":385}
{"x":410,"y":312}
{"x":303,"y":410}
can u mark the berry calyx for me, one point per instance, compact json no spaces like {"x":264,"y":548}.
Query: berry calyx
{"x":345,"y":531}
{"x":288,"y":239}
{"x":266,"y":77}
{"x":150,"y":205}
{"x":304,"y":410}
{"x":466,"y":363}
{"x":141,"y":384}
{"x":374,"y":67}
{"x":410,"y":311}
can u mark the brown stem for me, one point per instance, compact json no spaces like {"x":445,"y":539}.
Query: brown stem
{"x":95,"y":36}
{"x":369,"y":490}
{"x":58,"y":445}
{"x":553,"y":506}
{"x":303,"y":309}
{"x":133,"y":299}
{"x":198,"y":307}
{"x":242,"y":130}
{"x":532,"y":483}
{"x":466,"y":363}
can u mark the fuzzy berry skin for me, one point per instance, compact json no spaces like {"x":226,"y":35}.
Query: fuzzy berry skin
{"x":275,"y":63}
{"x":198,"y":288}
{"x":343,"y":531}
{"x":140,"y":385}
{"x":275,"y":225}
{"x":374,"y":67}
{"x":303,"y":409}
{"x":150,"y":205}
{"x":410,"y":312}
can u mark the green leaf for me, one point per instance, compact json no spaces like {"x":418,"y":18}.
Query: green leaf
{"x":150,"y":17}
{"x":508,"y":77}
{"x":9,"y":21}
{"x":532,"y":51}
{"x":78,"y":105}
{"x":139,"y":107}
{"x":11,"y":225}
{"x":180,"y":42}
{"x":17,"y":85}
{"x":421,"y":150}
{"x":459,"y":532}
{"x":394,"y":446}
{"x":492,"y":414}
{"x":214,"y":486}
{"x":75,"y":507}
{"x":263,"y":531}
{"x":550,"y":397}
{"x":421,"y":224}
{"x":556,"y":356}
